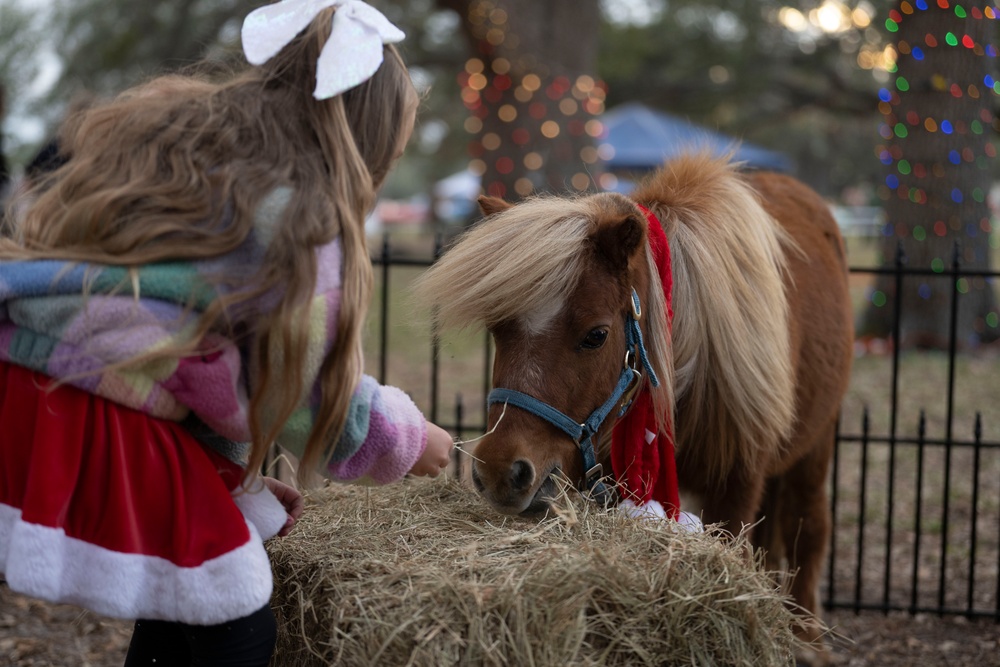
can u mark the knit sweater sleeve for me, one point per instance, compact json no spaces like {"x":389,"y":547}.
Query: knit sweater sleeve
{"x":384,"y":436}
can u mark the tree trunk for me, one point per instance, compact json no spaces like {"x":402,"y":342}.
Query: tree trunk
{"x":531,"y":94}
{"x":937,"y":124}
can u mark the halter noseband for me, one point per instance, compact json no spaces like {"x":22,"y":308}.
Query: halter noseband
{"x":583,"y":434}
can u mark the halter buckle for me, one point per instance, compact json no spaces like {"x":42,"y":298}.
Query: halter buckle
{"x":592,"y":475}
{"x":636,"y":307}
{"x":630,"y":391}
{"x":631,"y":361}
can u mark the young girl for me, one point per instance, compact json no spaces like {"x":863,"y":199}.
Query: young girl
{"x":195,"y":277}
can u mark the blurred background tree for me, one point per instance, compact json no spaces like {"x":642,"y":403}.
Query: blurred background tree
{"x":19,"y":67}
{"x":939,"y":152}
{"x":531,"y":94}
{"x":785,"y":75}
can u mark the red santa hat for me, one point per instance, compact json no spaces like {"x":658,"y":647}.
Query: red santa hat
{"x":642,"y":451}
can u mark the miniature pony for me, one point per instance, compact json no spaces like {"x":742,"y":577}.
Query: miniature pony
{"x":751,"y":373}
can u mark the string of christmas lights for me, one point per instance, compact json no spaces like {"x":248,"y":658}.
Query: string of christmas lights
{"x":962,"y":141}
{"x":897,"y":128}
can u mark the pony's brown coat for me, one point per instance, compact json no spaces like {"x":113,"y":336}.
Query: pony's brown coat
{"x":758,"y":360}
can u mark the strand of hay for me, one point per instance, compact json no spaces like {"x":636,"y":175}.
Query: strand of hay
{"x":424,"y":573}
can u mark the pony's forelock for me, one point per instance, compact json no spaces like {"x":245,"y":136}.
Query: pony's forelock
{"x":511,"y":265}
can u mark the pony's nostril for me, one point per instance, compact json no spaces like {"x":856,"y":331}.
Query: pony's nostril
{"x":522,"y":474}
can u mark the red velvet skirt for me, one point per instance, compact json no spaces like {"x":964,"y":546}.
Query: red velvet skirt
{"x":124,"y":514}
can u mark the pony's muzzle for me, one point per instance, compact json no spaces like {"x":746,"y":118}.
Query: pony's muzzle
{"x":512,"y":491}
{"x":520,"y":478}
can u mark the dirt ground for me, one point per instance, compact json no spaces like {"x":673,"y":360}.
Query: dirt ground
{"x":901,"y":640}
{"x":37,"y":634}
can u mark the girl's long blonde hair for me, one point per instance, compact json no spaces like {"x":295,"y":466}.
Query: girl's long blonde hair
{"x":175,"y":170}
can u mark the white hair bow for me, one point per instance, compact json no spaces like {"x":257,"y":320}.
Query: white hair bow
{"x":351,"y":55}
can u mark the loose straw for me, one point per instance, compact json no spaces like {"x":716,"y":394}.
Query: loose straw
{"x":459,"y":443}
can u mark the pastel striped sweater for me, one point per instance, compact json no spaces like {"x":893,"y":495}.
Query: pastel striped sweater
{"x":47,"y":325}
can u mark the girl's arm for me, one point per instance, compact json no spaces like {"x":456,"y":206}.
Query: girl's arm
{"x":384,"y":437}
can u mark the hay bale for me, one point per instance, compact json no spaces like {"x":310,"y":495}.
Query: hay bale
{"x":424,"y":573}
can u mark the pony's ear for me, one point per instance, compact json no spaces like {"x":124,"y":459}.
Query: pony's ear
{"x":491,"y":205}
{"x":617,"y":241}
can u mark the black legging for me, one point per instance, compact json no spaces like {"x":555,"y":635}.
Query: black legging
{"x":245,"y":642}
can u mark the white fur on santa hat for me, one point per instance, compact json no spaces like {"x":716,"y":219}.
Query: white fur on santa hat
{"x":654,"y":510}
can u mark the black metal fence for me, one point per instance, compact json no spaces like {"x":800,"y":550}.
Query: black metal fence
{"x":926,"y":546}
{"x":916,"y":517}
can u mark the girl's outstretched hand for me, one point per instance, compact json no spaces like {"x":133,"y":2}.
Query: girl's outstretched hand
{"x":436,"y":455}
{"x":290,"y":498}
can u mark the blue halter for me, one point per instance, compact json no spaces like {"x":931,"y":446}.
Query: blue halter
{"x":583,"y":434}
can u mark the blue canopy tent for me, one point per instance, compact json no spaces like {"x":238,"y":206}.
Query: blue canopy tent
{"x":643,"y":138}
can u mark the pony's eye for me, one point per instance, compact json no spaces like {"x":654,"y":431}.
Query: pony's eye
{"x":594,"y":339}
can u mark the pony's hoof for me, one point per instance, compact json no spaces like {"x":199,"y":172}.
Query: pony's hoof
{"x":815,"y":654}
{"x":812,"y":650}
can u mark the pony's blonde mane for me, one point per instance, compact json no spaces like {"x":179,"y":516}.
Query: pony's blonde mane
{"x":509,"y":264}
{"x":731,"y":347}
{"x":658,"y":344}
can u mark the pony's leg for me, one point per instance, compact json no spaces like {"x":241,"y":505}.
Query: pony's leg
{"x":767,"y":534}
{"x":805,"y":527}
{"x":735,"y":501}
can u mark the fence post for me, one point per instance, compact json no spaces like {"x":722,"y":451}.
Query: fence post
{"x":915,"y":580}
{"x":977,"y":438}
{"x":383,"y":359}
{"x":952,"y":346}
{"x":435,"y":347}
{"x":834,"y":484}
{"x":861,"y":511}
{"x":894,"y":402}
{"x":459,"y":428}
